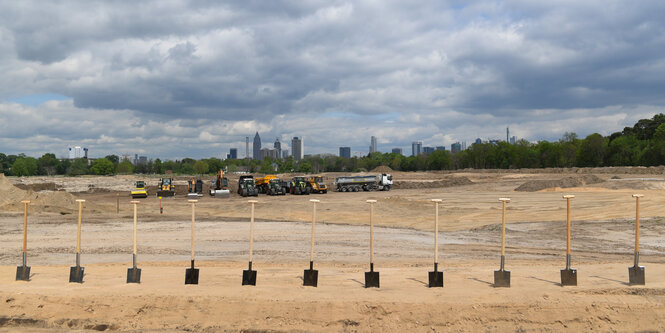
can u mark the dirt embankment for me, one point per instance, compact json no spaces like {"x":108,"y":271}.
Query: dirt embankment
{"x":637,"y":170}
{"x":566,"y":182}
{"x":449,"y":182}
{"x":11,"y":197}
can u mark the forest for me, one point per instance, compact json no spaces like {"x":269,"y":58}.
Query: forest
{"x":640,"y":145}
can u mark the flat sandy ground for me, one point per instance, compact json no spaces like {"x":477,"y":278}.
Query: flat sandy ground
{"x":470,"y":215}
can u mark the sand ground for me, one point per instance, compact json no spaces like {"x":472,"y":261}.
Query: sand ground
{"x":602,"y":245}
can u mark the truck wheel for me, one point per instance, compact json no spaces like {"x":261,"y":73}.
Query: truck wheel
{"x":243,"y":192}
{"x":387,"y":187}
{"x":325,"y":191}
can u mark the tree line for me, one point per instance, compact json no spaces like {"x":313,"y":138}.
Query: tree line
{"x":643,"y":145}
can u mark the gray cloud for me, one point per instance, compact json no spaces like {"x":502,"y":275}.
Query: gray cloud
{"x":334,"y":72}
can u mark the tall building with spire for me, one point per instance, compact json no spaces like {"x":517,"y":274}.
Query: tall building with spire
{"x":256,"y":151}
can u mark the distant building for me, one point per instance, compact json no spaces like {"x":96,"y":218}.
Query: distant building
{"x":233,"y":153}
{"x":267,"y":152}
{"x":507,"y":134}
{"x":513,"y":139}
{"x":256,"y":152}
{"x":456,"y":147}
{"x":143,"y":160}
{"x":345,"y":152}
{"x":416,"y":148}
{"x":397,"y":151}
{"x":494,"y":142}
{"x":440,"y":148}
{"x":278,"y":146}
{"x":298,"y":149}
{"x":372,"y":145}
{"x":285,"y":153}
{"x":428,"y":150}
{"x":478,"y":141}
{"x":77,"y":152}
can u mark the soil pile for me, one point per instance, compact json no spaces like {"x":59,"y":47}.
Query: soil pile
{"x":38,"y":187}
{"x":449,"y":182}
{"x":11,"y":197}
{"x":383,"y":169}
{"x":567,"y":182}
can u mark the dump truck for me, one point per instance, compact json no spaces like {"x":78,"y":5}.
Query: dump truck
{"x":270,"y":185}
{"x":166,"y":188}
{"x":247,"y":187}
{"x":194,"y":188}
{"x":316,"y":185}
{"x":219,"y":186}
{"x":298,"y":185}
{"x":139,"y":190}
{"x":382,"y":182}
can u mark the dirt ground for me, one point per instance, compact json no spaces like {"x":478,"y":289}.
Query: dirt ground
{"x":470,"y":215}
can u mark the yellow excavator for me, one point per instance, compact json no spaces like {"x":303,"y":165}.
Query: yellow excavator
{"x":166,"y":188}
{"x":139,"y":191}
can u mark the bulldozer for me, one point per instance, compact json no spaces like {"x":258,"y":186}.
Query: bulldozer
{"x":219,"y":186}
{"x":299,"y":185}
{"x":194,"y":188}
{"x":270,"y":185}
{"x":247,"y":187}
{"x":139,"y":191}
{"x":316,"y":185}
{"x":166,"y":188}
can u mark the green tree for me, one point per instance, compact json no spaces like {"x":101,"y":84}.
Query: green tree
{"x":201,"y":167}
{"x":78,"y":167}
{"x":24,"y":166}
{"x":113,"y":158}
{"x":125,"y":167}
{"x":102,"y":166}
{"x":48,"y":164}
{"x":592,"y":151}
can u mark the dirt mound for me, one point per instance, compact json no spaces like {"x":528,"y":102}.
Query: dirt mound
{"x":449,"y":182}
{"x":38,"y":187}
{"x":11,"y":197}
{"x":383,"y":169}
{"x":567,"y":182}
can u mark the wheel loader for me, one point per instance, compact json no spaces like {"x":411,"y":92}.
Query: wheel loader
{"x":316,"y":185}
{"x":166,"y":188}
{"x":219,"y":186}
{"x":139,"y":191}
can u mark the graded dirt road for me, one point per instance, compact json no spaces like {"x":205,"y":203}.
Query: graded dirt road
{"x":602,"y":245}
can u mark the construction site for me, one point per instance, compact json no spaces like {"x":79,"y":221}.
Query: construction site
{"x":602,"y":251}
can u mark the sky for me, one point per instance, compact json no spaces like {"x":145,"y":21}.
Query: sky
{"x":175,"y":79}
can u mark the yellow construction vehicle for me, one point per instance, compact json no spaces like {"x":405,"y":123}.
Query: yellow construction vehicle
{"x":316,"y":185}
{"x":270,"y":185}
{"x":139,"y":191}
{"x":219,"y":187}
{"x":166,"y":188}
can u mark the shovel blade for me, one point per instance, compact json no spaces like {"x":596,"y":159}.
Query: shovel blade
{"x":192,"y":276}
{"x":636,"y":275}
{"x":310,"y":278}
{"x":133,"y":275}
{"x":569,"y":277}
{"x":371,"y":279}
{"x":76,"y":274}
{"x":436,"y":279}
{"x":248,"y":277}
{"x":502,"y":278}
{"x":22,"y":273}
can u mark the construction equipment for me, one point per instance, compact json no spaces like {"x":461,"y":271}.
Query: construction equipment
{"x":219,"y":186}
{"x":166,"y":188}
{"x":270,"y":185}
{"x":23,"y":271}
{"x":371,"y":277}
{"x":502,"y":276}
{"x":139,"y":192}
{"x":247,"y":187}
{"x":382,"y":182}
{"x":636,"y":273}
{"x":568,"y":275}
{"x":194,"y":188}
{"x":436,"y":277}
{"x":76,"y":272}
{"x":316,"y":185}
{"x":299,"y":185}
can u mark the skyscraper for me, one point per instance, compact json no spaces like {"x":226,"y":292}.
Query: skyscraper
{"x":233,"y":153}
{"x":372,"y":145}
{"x":345,"y":152}
{"x":256,"y":147}
{"x":278,"y":146}
{"x":456,"y":147}
{"x":397,"y":151}
{"x":297,"y":148}
{"x":416,"y":148}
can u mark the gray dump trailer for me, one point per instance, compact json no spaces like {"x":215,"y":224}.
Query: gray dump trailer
{"x":382,"y":182}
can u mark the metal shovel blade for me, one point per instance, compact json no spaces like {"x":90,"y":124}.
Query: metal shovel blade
{"x":502,"y":278}
{"x":436,"y":279}
{"x":192,"y":276}
{"x":22,"y":273}
{"x":371,"y":279}
{"x":133,"y":275}
{"x":569,"y":277}
{"x":636,"y":275}
{"x":311,"y":278}
{"x":76,"y":274}
{"x":248,"y":277}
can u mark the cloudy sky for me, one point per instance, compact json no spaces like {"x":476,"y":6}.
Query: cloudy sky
{"x":175,"y":79}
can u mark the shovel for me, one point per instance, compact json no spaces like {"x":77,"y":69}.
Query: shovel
{"x":371,"y":277}
{"x":568,"y":275}
{"x":436,"y":277}
{"x":248,"y":275}
{"x":23,"y":272}
{"x":502,"y":276}
{"x":134,"y":273}
{"x":76,"y":272}
{"x":636,"y":273}
{"x":311,"y":276}
{"x":192,"y":274}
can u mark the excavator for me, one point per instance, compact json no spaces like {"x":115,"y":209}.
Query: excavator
{"x":166,"y":188}
{"x":139,"y":191}
{"x":194,"y":188}
{"x":219,"y":187}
